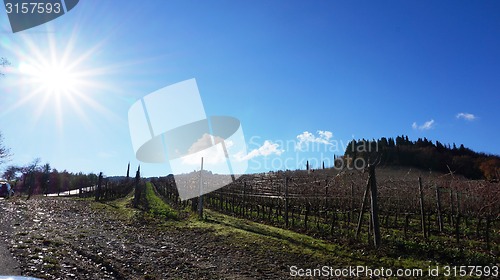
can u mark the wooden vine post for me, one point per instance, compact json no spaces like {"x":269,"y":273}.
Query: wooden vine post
{"x":374,"y":214}
{"x":371,"y":186}
{"x":244,"y":204}
{"x":362,"y":209}
{"x":351,"y":211}
{"x":137,"y":193}
{"x":99,"y":188}
{"x":439,"y":209}
{"x":286,"y":201}
{"x":422,"y":207}
{"x":488,"y":225}
{"x":200,"y":198}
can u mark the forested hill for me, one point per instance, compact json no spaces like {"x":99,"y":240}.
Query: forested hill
{"x":426,"y":154}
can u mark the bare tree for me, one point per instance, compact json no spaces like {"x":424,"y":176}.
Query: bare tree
{"x":4,"y":151}
{"x":11,"y":172}
{"x":30,"y":170}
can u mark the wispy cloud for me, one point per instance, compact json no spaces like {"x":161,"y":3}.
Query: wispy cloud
{"x":426,"y":126}
{"x":306,"y":137}
{"x":466,"y":116}
{"x":268,"y":148}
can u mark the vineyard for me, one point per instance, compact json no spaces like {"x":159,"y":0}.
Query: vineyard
{"x":377,"y":217}
{"x":411,"y":204}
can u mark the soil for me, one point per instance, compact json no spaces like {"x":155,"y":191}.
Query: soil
{"x":8,"y":264}
{"x":64,"y":238}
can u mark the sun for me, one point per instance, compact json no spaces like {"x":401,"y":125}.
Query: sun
{"x":55,"y":86}
{"x":57,"y":80}
{"x":51,"y":78}
{"x":62,"y":80}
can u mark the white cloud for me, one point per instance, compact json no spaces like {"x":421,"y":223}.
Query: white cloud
{"x":268,"y":148}
{"x":325,"y":134}
{"x":200,"y":148}
{"x":307,"y":137}
{"x":466,"y":116}
{"x":426,"y":126}
{"x":206,"y":141}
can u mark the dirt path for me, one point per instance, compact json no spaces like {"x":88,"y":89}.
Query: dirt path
{"x":64,"y":238}
{"x":8,"y":265}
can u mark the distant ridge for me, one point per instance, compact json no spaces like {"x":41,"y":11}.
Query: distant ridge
{"x":426,"y":154}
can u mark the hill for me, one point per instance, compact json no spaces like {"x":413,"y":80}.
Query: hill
{"x":426,"y":154}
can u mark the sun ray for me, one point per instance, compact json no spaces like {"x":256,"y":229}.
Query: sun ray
{"x":24,"y":100}
{"x":77,"y":108}
{"x":59,"y":117}
{"x":41,"y":108}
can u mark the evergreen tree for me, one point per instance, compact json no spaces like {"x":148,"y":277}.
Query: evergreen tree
{"x":424,"y":154}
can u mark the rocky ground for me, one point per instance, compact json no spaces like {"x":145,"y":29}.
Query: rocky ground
{"x":63,"y":238}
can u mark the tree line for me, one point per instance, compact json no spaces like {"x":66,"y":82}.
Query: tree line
{"x":426,"y":154}
{"x":35,"y":178}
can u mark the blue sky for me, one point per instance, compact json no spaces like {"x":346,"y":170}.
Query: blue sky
{"x":314,"y":73}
